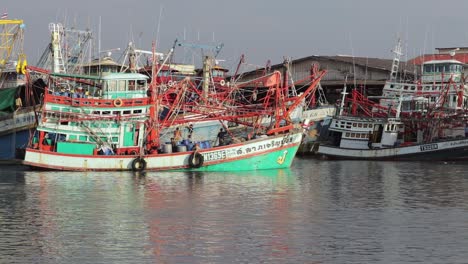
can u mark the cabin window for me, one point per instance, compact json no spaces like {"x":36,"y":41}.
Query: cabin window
{"x":111,"y":85}
{"x":96,"y":112}
{"x":122,"y":85}
{"x":131,"y":85}
{"x":353,"y":135}
{"x":360,"y":125}
{"x":354,"y":124}
{"x":347,"y":134}
{"x":138,"y":111}
{"x":428,"y":68}
{"x":141,"y":85}
{"x":83,"y":138}
{"x":127,"y":112}
{"x":115,"y":139}
{"x":106,"y":112}
{"x":116,"y":112}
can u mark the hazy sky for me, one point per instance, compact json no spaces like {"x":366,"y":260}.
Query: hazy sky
{"x":260,"y":29}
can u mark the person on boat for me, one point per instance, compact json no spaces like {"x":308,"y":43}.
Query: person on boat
{"x":62,"y":92}
{"x":46,"y":140}
{"x":221,"y":135}
{"x":106,"y":150}
{"x":78,"y":92}
{"x":190,"y":130}
{"x":177,"y":135}
{"x":174,"y":145}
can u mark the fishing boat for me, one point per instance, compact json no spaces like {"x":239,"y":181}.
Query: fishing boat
{"x":423,"y":130}
{"x":17,"y":114}
{"x":116,"y":125}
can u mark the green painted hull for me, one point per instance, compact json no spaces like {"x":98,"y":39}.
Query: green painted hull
{"x":273,"y":160}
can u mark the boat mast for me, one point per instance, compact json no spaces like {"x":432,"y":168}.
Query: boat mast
{"x":58,"y":65}
{"x":344,"y":93}
{"x":396,"y":61}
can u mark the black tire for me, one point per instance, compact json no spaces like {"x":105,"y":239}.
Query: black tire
{"x":195,"y":160}
{"x":138,"y":164}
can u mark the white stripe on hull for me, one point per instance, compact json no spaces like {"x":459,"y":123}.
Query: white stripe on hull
{"x":388,"y":153}
{"x":179,"y":160}
{"x":17,"y":122}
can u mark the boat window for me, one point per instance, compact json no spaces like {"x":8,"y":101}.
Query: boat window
{"x":138,"y":111}
{"x":106,"y":112}
{"x":131,"y":85}
{"x":428,"y":68}
{"x":116,"y":112}
{"x":447,"y":68}
{"x":126,"y":112}
{"x":111,"y":85}
{"x":360,"y":125}
{"x":141,"y":85}
{"x":347,"y":134}
{"x":354,"y":124}
{"x":122,"y":85}
{"x":96,"y":112}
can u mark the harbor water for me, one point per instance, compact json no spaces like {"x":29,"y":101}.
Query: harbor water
{"x":315,"y":212}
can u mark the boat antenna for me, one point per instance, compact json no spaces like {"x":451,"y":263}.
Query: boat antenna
{"x":158,"y":26}
{"x":344,"y":93}
{"x":99,"y":46}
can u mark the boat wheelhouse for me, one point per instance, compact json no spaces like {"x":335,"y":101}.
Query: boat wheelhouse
{"x":439,"y":77}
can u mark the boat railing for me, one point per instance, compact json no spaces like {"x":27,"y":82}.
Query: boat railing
{"x":92,"y":102}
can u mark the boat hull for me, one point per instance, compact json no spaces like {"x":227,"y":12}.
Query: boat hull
{"x":14,"y":131}
{"x":442,"y":151}
{"x":268,"y":153}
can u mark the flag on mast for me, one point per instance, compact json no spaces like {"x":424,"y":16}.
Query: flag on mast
{"x":4,"y":15}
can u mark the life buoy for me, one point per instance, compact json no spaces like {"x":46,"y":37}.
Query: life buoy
{"x":222,"y":82}
{"x":170,"y":83}
{"x":133,"y":152}
{"x":138,"y":164}
{"x":195,"y":160}
{"x":118,"y":102}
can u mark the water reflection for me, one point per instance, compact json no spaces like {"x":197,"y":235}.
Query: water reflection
{"x":317,"y":211}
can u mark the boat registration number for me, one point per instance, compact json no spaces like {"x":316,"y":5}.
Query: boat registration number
{"x":429,"y":147}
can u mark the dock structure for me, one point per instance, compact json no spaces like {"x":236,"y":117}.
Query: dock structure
{"x":369,"y":74}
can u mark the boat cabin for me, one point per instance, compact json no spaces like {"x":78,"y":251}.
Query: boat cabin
{"x":442,"y":71}
{"x":365,"y":133}
{"x":103,"y":66}
{"x":124,"y":85}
